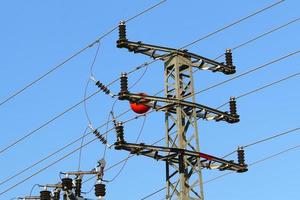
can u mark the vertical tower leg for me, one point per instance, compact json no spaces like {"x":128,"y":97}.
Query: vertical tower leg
{"x":183,"y":179}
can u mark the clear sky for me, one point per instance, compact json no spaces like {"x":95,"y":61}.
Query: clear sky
{"x":36,"y":35}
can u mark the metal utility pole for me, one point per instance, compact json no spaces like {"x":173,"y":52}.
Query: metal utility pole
{"x":181,"y":154}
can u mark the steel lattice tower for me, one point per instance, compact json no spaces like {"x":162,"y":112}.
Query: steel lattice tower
{"x":182,"y":155}
{"x":184,"y":179}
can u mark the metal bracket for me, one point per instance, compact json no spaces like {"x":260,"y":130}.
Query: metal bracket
{"x":173,"y":155}
{"x":163,"y":53}
{"x":202,"y":111}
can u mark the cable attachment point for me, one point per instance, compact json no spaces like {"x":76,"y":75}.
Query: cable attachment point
{"x":233,"y":111}
{"x":230,"y":68}
{"x":78,"y":185}
{"x":122,"y":42}
{"x":124,"y":86}
{"x":120,"y":134}
{"x":45,"y":195}
{"x":101,"y":166}
{"x":56,"y":194}
{"x":241,"y":159}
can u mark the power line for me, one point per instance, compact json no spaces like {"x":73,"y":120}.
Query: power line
{"x":250,"y":41}
{"x":62,"y":158}
{"x":263,"y":87}
{"x":228,"y":173}
{"x":234,"y":23}
{"x":135,"y":69}
{"x":248,"y":72}
{"x":262,"y":35}
{"x":243,"y":95}
{"x":259,"y":161}
{"x":199,"y":40}
{"x":126,"y":160}
{"x":55,"y":152}
{"x":16,"y":93}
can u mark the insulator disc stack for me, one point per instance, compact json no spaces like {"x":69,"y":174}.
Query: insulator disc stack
{"x":102,"y":87}
{"x":122,"y":31}
{"x":124,"y":85}
{"x":120,"y":132}
{"x":78,"y":185}
{"x":228,"y":57}
{"x":232,"y":106}
{"x":241,"y":156}
{"x":241,"y":159}
{"x":45,"y":195}
{"x":67,"y":183}
{"x":99,"y":136}
{"x":100,"y":190}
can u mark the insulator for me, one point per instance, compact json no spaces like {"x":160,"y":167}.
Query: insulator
{"x":78,"y":185}
{"x":241,"y":160}
{"x":120,"y":132}
{"x":241,"y":156}
{"x":122,"y":31}
{"x":45,"y":195}
{"x":67,"y":183}
{"x":102,"y":87}
{"x":124,"y":85}
{"x":100,"y":137}
{"x":232,"y":105}
{"x":228,"y":57}
{"x":100,"y":190}
{"x":56,"y":195}
{"x":124,"y":82}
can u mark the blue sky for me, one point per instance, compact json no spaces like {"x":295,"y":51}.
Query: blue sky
{"x":36,"y":35}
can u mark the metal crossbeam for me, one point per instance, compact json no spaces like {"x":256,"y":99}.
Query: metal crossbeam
{"x":202,"y":111}
{"x":173,"y":155}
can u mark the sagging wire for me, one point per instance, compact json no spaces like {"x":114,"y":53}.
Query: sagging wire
{"x":129,"y":155}
{"x":231,"y":172}
{"x":62,"y":158}
{"x":33,"y":189}
{"x":80,"y":150}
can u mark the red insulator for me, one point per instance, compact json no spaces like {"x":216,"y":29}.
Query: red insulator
{"x":141,"y":106}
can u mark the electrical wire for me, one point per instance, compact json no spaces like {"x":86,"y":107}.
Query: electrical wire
{"x":114,"y":81}
{"x":55,"y":152}
{"x":16,"y":93}
{"x":129,"y":155}
{"x":33,"y":189}
{"x":248,"y":93}
{"x":250,"y":41}
{"x":122,"y":161}
{"x":253,"y":163}
{"x":248,"y":72}
{"x":75,"y":105}
{"x":263,"y":87}
{"x":91,"y":74}
{"x":137,"y":68}
{"x":45,"y":124}
{"x":80,"y":150}
{"x":258,"y":161}
{"x":261,"y":35}
{"x":60,"y":159}
{"x":234,"y":23}
{"x":268,"y":84}
{"x":231,"y":172}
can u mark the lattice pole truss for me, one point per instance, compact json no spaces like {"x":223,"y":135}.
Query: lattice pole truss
{"x":182,"y":155}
